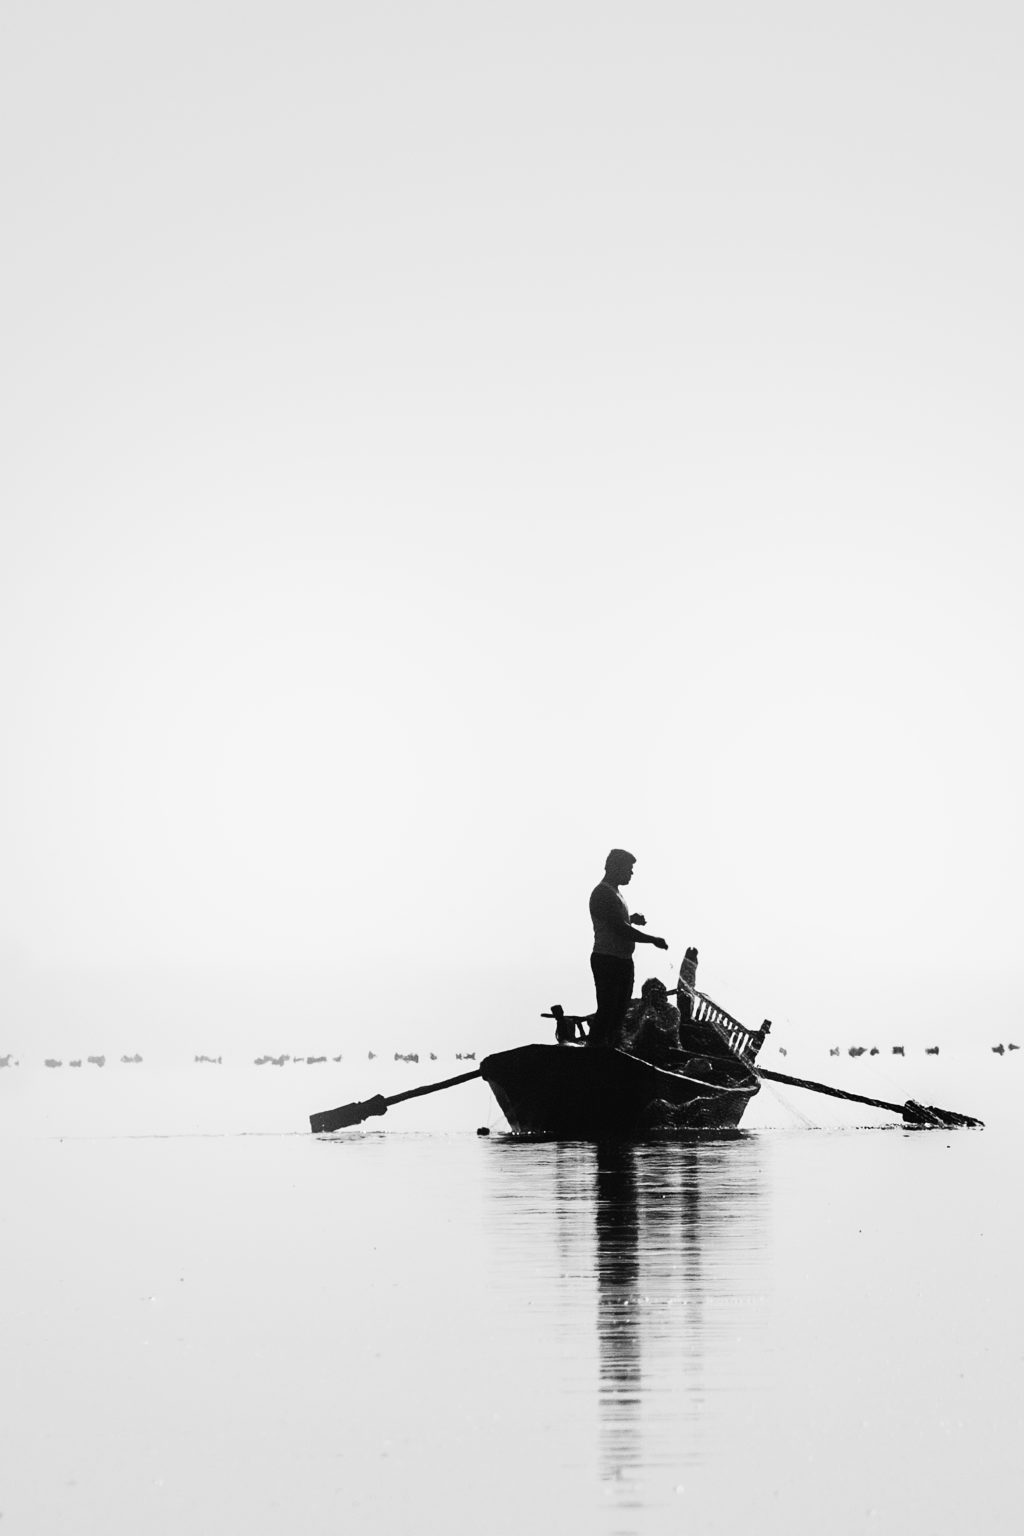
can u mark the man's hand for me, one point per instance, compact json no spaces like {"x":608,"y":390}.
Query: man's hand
{"x":660,"y":943}
{"x":639,"y":919}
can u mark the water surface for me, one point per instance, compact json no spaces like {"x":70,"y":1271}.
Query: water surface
{"x":802,"y":1328}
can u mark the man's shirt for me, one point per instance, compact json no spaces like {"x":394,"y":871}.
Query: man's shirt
{"x":608,"y":913}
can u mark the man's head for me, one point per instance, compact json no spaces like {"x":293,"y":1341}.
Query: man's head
{"x":618,"y":866}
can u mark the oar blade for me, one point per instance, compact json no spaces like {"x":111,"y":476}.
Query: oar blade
{"x":347,"y":1114}
{"x":926,"y":1114}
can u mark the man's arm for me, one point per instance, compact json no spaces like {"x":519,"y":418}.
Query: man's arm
{"x":648,"y":938}
{"x":639,"y":921}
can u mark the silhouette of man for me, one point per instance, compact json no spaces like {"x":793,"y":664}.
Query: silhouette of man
{"x":616,"y":935}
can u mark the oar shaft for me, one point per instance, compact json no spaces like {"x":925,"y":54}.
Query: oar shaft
{"x":912,"y":1112}
{"x":449,"y":1082}
{"x":835,"y":1093}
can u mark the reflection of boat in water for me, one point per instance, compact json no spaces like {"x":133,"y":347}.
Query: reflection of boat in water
{"x":646,"y":1271}
{"x":585,"y":1092}
{"x":680,"y":1236}
{"x":649,"y":1270}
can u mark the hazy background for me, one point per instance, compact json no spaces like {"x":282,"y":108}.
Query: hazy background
{"x":443,"y":441}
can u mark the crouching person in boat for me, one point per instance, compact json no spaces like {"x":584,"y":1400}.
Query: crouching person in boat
{"x":617,"y":932}
{"x":650,"y":1029}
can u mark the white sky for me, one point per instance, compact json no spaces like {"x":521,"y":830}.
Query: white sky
{"x":446,"y":440}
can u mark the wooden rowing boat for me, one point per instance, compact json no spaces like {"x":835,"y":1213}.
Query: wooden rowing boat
{"x":587,"y":1093}
{"x":584,"y":1092}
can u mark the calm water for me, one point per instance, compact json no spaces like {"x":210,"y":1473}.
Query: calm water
{"x":809,"y":1327}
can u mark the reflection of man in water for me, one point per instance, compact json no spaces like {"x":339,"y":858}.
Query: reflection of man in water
{"x":616,"y":934}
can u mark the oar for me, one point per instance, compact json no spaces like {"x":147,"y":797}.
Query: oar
{"x":355,"y":1114}
{"x":912,"y":1112}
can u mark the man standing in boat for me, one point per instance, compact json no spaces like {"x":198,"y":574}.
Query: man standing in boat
{"x":617,"y":932}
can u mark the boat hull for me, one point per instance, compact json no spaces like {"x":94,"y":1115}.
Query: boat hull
{"x":589,"y":1093}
